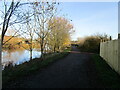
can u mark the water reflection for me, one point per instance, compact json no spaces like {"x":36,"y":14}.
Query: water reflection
{"x":18,"y":56}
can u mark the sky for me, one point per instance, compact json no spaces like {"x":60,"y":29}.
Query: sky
{"x":90,"y":18}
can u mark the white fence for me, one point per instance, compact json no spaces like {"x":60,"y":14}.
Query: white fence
{"x":110,"y":51}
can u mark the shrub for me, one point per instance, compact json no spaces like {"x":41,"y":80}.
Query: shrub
{"x":92,"y":43}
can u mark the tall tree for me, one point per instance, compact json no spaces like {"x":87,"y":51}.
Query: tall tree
{"x":43,"y":12}
{"x":60,"y":34}
{"x":7,"y":14}
{"x":29,"y":31}
{"x":11,"y":15}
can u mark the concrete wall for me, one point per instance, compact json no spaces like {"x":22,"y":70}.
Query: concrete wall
{"x":110,"y":51}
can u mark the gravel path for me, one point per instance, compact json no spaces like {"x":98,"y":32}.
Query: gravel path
{"x":74,"y":71}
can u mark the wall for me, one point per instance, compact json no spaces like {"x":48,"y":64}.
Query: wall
{"x":110,"y":51}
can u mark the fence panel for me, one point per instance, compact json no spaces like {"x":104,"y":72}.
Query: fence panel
{"x":110,"y":52}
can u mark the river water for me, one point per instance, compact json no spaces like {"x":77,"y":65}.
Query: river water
{"x":17,"y":57}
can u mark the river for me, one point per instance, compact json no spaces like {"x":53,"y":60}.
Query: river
{"x":17,"y":57}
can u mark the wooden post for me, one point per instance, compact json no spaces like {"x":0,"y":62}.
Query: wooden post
{"x":110,"y":38}
{"x":119,"y":36}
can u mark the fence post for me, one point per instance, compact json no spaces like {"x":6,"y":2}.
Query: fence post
{"x":119,"y":56}
{"x":119,"y":36}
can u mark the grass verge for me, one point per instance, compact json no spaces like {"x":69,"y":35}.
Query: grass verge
{"x":109,"y":78}
{"x":28,"y":68}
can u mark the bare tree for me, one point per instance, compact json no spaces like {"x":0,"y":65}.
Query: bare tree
{"x":29,"y":33}
{"x":8,"y":12}
{"x":44,"y":12}
{"x":11,"y":15}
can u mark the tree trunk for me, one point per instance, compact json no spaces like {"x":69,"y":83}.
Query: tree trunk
{"x":58,"y":49}
{"x":42,"y":49}
{"x":1,"y":64}
{"x":30,"y":54}
{"x":31,"y":48}
{"x":42,"y":54}
{"x":54,"y":48}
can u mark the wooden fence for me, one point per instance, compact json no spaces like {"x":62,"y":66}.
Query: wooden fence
{"x":110,"y":52}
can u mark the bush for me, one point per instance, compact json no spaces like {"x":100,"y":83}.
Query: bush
{"x":92,"y":43}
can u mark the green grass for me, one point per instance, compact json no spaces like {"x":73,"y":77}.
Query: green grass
{"x":109,"y":78}
{"x":31,"y":67}
{"x":67,"y":50}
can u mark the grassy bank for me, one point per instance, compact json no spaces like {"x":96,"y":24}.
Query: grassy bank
{"x":28,"y":68}
{"x":108,"y":76}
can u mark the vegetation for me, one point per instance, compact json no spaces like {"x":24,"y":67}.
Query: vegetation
{"x":36,"y":25}
{"x":17,"y":43}
{"x":30,"y":28}
{"x":43,"y":13}
{"x":33,"y":24}
{"x":108,"y":76}
{"x":92,"y":43}
{"x":14,"y":73}
{"x":59,"y":37}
